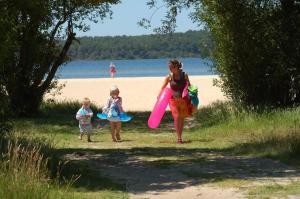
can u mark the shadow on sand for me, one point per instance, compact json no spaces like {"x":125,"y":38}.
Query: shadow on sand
{"x":145,"y":169}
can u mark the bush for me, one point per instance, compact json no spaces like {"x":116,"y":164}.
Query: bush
{"x":257,"y":50}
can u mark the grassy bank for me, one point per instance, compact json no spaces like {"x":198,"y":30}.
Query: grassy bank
{"x":29,"y":170}
{"x":270,"y":133}
{"x":219,"y":128}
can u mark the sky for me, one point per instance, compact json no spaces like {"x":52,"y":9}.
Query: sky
{"x":128,"y":13}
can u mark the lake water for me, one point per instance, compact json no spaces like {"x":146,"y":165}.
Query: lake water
{"x":131,"y":68}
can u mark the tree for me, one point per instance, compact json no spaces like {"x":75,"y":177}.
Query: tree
{"x":138,"y":47}
{"x":29,"y":48}
{"x":257,"y":43}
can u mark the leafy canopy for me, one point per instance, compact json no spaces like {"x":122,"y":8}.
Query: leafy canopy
{"x":29,"y":48}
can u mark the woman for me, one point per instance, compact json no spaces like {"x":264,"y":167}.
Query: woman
{"x":178,"y":103}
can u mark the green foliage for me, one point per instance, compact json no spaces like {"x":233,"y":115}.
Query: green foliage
{"x":29,"y":48}
{"x":4,"y":104}
{"x":257,"y":43}
{"x":257,"y":52}
{"x":188,"y":44}
{"x":5,"y":112}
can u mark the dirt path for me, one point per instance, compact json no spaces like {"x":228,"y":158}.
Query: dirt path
{"x":191,"y":177}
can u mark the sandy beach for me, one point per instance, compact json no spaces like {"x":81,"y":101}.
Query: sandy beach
{"x":138,"y":93}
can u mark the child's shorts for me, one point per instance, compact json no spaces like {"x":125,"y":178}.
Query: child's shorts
{"x":88,"y":129}
{"x":180,"y":107}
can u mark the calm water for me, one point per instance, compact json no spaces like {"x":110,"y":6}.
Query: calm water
{"x":131,"y":68}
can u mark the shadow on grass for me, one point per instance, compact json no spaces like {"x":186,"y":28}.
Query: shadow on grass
{"x":90,"y":178}
{"x":67,"y":120}
{"x":282,"y":147}
{"x":165,"y":168}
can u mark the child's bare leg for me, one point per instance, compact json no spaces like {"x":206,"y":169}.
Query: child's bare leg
{"x":118,"y":129}
{"x":113,"y":127}
{"x":88,"y":137}
{"x":80,"y":135}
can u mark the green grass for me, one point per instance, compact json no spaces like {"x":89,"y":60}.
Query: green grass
{"x":219,"y":128}
{"x":223,"y":180}
{"x":268,"y":191}
{"x":26,"y":171}
{"x":273,"y":133}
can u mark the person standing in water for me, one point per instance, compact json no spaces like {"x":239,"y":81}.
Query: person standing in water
{"x":112,"y":70}
{"x":178,"y":103}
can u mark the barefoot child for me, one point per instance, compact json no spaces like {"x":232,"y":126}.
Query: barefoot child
{"x":113,"y":108}
{"x":84,"y":116}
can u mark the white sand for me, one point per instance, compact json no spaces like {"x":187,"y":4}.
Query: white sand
{"x":138,"y":93}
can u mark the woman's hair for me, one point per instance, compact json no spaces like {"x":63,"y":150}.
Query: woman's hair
{"x":176,"y":63}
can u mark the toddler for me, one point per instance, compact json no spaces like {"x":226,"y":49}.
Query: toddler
{"x":84,"y":116}
{"x":113,"y":108}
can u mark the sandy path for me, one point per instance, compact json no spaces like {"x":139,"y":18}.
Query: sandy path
{"x":147,"y":179}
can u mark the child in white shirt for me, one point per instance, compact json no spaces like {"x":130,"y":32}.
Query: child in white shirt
{"x":84,"y":116}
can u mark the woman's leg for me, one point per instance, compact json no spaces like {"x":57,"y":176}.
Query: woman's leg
{"x":180,"y":127}
{"x":178,"y":120}
{"x":177,"y":128}
{"x":179,"y":123}
{"x":118,"y":129}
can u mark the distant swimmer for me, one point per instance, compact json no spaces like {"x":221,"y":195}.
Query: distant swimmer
{"x":112,"y":69}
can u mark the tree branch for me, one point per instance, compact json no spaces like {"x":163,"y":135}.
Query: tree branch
{"x":60,"y":59}
{"x":59,"y":23}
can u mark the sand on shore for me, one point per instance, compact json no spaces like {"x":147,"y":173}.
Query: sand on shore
{"x":138,"y":93}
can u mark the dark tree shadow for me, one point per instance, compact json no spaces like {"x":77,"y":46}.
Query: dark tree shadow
{"x":170,"y":167}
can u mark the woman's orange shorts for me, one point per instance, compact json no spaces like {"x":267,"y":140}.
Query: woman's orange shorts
{"x":180,"y":107}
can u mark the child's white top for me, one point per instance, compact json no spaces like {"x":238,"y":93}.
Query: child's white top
{"x":113,"y":102}
{"x":84,"y":120}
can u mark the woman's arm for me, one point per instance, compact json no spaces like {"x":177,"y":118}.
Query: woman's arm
{"x":187,"y":79}
{"x":166,"y":81}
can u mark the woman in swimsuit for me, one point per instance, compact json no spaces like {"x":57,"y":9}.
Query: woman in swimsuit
{"x":178,"y":103}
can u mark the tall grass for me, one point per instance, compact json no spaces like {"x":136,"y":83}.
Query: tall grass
{"x":271,"y":132}
{"x":24,"y":172}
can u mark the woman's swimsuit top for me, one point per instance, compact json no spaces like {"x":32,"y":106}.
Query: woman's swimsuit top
{"x":177,"y":85}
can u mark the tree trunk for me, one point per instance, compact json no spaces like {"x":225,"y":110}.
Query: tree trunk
{"x":25,"y":101}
